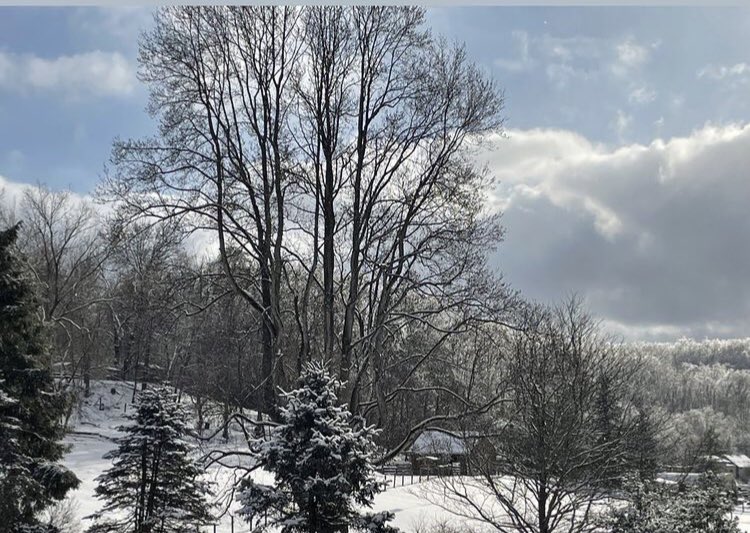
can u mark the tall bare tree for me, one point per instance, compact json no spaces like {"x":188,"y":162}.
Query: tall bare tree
{"x":388,"y":114}
{"x":332,"y":147}
{"x":219,"y":79}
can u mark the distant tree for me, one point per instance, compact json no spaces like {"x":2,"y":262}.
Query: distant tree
{"x":154,"y":485}
{"x":561,"y":436}
{"x":320,"y":457}
{"x":31,"y":477}
{"x":644,"y":448}
{"x":147,"y":264}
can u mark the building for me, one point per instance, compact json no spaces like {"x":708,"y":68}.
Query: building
{"x":740,"y":464}
{"x":736,"y":466}
{"x":440,"y":452}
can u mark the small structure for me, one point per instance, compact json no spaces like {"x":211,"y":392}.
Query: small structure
{"x":740,"y":464}
{"x":735,"y":466}
{"x":445,"y":453}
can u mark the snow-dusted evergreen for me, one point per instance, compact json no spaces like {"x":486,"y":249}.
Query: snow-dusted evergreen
{"x":154,"y":484}
{"x":320,"y":456}
{"x":31,"y":477}
{"x":660,"y":508}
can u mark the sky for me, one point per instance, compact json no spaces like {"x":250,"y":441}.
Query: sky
{"x":624,"y":171}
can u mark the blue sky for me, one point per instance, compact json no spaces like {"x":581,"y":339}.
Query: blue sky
{"x":624,"y":175}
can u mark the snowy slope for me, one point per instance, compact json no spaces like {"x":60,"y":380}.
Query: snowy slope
{"x":93,"y":429}
{"x":95,"y":425}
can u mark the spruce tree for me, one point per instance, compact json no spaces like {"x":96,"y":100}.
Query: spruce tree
{"x":31,"y":477}
{"x":153,"y":485}
{"x":320,"y":456}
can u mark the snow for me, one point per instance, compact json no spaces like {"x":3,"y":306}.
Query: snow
{"x":93,"y":430}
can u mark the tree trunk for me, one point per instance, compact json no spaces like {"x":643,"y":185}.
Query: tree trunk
{"x":329,"y":223}
{"x":225,"y":420}
{"x":87,"y":374}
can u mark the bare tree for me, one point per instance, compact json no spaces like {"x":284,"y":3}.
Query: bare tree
{"x":332,"y":148}
{"x":66,"y":252}
{"x":219,"y":81}
{"x":387,"y":116}
{"x":144,"y":272}
{"x":562,"y":439}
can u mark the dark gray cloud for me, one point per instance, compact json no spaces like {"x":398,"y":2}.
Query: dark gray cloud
{"x":656,"y":237}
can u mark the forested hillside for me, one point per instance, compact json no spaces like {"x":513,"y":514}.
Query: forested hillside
{"x":703,"y":387}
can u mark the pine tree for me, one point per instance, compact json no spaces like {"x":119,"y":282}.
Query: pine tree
{"x":153,"y":485}
{"x":31,"y":477}
{"x":320,"y":456}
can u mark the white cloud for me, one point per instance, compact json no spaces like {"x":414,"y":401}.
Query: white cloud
{"x":653,"y":235}
{"x":89,"y":73}
{"x":201,"y":244}
{"x":574,"y":59}
{"x":642,"y":95}
{"x":720,"y":72}
{"x":523,"y":60}
{"x":11,"y":193}
{"x":622,"y":123}
{"x":630,"y":56}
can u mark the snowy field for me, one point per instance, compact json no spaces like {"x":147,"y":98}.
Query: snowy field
{"x":95,"y":427}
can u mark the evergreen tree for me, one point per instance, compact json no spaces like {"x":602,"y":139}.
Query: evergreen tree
{"x":153,"y":485}
{"x":658,"y":508}
{"x":643,"y":447}
{"x":320,"y":457}
{"x":31,"y":477}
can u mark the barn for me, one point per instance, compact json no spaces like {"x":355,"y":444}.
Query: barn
{"x":740,"y":465}
{"x":441,"y":452}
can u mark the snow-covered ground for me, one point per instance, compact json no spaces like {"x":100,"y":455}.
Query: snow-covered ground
{"x":95,"y":425}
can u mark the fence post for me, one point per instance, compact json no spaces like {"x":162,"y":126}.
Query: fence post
{"x":214,"y":528}
{"x":231,"y":516}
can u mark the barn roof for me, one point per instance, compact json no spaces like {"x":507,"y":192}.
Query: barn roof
{"x":437,"y":442}
{"x":739,"y":460}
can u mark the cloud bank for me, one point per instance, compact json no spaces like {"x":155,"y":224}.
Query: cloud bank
{"x":656,"y":237}
{"x":91,"y":73}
